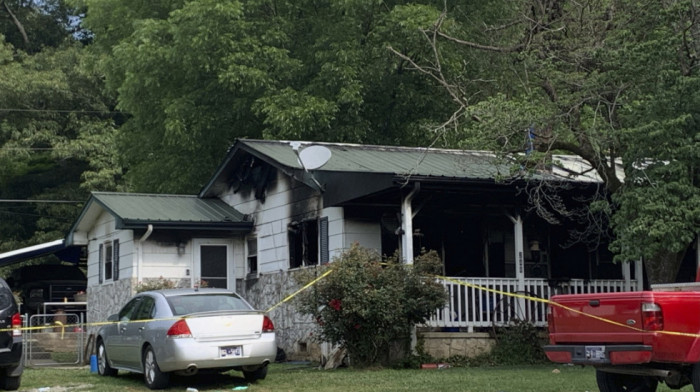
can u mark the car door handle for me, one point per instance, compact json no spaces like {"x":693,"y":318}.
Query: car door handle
{"x":141,"y":329}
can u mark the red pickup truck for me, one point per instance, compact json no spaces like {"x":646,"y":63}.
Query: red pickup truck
{"x":635,"y":340}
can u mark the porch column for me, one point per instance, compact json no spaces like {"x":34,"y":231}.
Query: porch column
{"x":519,"y":251}
{"x":626,"y":275}
{"x":407,"y":244}
{"x":639,"y":274}
{"x":407,"y":226}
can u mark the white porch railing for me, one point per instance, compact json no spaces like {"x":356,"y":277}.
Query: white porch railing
{"x":469,"y":306}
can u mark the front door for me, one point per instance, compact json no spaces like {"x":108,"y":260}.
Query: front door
{"x":214,"y":264}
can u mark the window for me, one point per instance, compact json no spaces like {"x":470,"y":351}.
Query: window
{"x":105,"y":256}
{"x":146,"y":310}
{"x":252,"y":255}
{"x":127,"y":312}
{"x":109,"y":261}
{"x":186,"y":304}
{"x":308,"y":242}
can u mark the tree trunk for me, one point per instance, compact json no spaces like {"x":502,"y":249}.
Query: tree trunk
{"x":16,"y":21}
{"x":663,"y":267}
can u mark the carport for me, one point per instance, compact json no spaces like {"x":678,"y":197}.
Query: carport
{"x":58,"y":248}
{"x":59,"y":343}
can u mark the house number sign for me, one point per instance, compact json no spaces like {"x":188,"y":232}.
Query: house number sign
{"x":520,"y":262}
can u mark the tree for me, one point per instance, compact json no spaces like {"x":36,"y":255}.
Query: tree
{"x":194,"y":76}
{"x":56,"y":142}
{"x":583,"y":80}
{"x":658,"y":211}
{"x":32,"y":25}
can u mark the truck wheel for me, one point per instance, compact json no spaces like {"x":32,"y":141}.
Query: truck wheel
{"x":614,"y":382}
{"x":696,"y":377}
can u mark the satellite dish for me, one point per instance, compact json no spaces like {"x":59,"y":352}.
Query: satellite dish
{"x":313,"y":157}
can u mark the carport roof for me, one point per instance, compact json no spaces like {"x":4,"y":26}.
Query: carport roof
{"x":174,"y":212}
{"x":58,"y":247}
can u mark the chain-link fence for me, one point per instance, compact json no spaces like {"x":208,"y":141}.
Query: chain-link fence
{"x":54,"y":339}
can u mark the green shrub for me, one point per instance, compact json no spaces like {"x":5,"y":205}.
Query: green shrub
{"x":369,"y":306}
{"x":518,"y":344}
{"x":155,"y":284}
{"x":162,"y":283}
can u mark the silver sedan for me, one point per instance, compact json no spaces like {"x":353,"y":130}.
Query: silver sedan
{"x":186,"y":331}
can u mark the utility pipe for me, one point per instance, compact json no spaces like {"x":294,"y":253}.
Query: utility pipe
{"x":143,"y":238}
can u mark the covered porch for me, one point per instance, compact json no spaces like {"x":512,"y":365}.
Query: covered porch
{"x":477,"y":304}
{"x":501,"y":265}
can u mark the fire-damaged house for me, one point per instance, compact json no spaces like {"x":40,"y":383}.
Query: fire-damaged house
{"x":275,"y":207}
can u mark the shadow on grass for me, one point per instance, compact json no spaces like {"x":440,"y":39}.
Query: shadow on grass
{"x":202,"y":381}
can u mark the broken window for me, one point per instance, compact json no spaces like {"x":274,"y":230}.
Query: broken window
{"x":306,"y":246}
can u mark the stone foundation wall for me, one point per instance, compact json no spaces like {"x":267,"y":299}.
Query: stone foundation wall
{"x":443,"y":345}
{"x":106,"y":300}
{"x":295,"y":332}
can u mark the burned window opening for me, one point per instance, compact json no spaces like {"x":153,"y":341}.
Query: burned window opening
{"x":303,"y":243}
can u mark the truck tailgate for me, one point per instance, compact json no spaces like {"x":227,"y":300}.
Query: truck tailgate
{"x":620,"y":310}
{"x":616,"y":319}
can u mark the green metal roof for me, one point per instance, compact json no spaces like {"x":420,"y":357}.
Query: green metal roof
{"x":377,"y":168}
{"x":139,"y":207}
{"x":402,"y":161}
{"x":173,"y":212}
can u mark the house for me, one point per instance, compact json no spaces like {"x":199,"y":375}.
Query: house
{"x":276,"y":207}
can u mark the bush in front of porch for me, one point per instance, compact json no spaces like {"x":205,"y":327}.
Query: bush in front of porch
{"x":368,"y":305}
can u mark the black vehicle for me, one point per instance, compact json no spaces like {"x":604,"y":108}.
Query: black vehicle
{"x":11,"y":361}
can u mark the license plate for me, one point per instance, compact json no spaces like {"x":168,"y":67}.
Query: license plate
{"x":231,"y":352}
{"x":595,"y":353}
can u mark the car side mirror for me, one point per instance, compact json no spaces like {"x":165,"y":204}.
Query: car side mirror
{"x":113,"y":317}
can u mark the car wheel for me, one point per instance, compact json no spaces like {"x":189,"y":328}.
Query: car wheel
{"x":103,"y":367}
{"x":614,"y":382}
{"x":154,"y":378}
{"x":11,"y":383}
{"x":254,"y":375}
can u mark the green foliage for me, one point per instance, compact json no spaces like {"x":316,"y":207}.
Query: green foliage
{"x":607,"y":80}
{"x":159,"y":283}
{"x":194,"y":76}
{"x":56,"y":141}
{"x":518,"y":344}
{"x":367,"y":306}
{"x":658,"y":211}
{"x":46,"y":23}
{"x":415,"y":359}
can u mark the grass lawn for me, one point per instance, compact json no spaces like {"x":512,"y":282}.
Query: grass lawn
{"x":300,"y":377}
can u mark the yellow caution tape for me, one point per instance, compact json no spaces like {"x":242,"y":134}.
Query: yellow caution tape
{"x":549,"y":302}
{"x":294,"y":294}
{"x":63,"y":328}
{"x":445,"y":278}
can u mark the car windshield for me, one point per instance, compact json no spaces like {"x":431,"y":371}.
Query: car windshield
{"x":186,"y":304}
